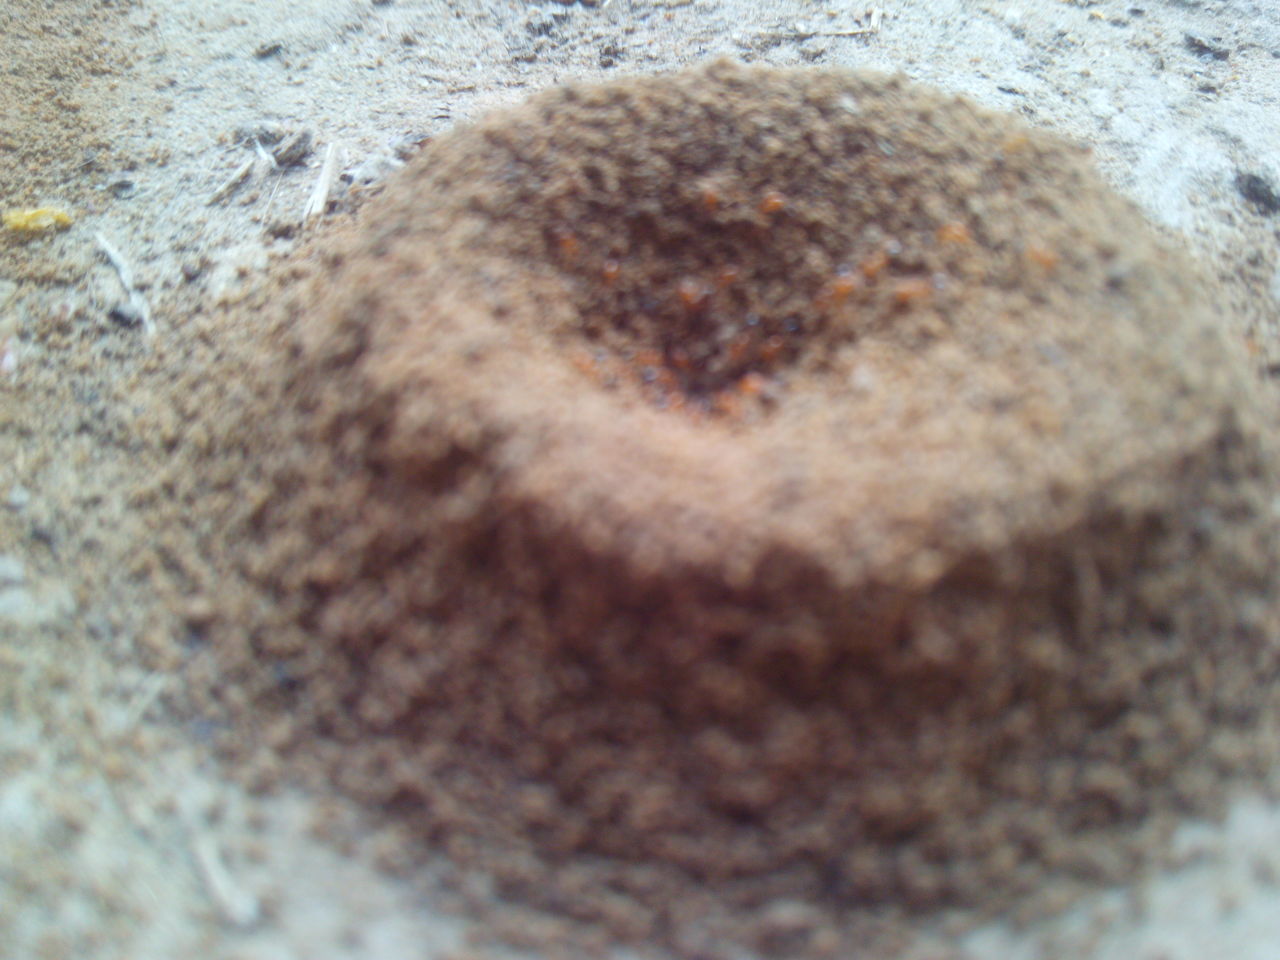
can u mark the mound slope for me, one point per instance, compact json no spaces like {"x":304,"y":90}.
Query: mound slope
{"x":750,"y":486}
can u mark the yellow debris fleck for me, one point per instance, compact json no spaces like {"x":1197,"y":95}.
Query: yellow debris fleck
{"x":37,"y":220}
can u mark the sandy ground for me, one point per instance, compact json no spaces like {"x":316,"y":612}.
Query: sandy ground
{"x":119,"y":834}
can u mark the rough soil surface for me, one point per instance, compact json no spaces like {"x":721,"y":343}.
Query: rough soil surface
{"x":122,"y":834}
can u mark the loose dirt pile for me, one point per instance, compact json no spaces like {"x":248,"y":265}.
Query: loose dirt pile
{"x":707,"y":504}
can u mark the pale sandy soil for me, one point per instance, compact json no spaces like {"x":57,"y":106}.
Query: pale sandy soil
{"x":119,"y":834}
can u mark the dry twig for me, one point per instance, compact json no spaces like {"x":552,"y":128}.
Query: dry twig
{"x":233,"y":183}
{"x":319,"y":198}
{"x":240,"y":907}
{"x":137,"y":301}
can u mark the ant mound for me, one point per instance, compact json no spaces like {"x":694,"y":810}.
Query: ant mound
{"x":776,"y":486}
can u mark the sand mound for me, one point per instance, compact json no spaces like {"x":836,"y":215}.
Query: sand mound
{"x":760,"y":486}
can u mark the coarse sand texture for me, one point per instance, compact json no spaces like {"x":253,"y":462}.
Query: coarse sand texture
{"x":754,"y":494}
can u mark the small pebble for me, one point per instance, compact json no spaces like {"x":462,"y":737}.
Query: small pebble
{"x":12,"y":570}
{"x":19,"y":497}
{"x":125,"y":315}
{"x":406,"y":146}
{"x":374,"y":169}
{"x":1255,"y":188}
{"x":265,"y":133}
{"x":295,"y":148}
{"x":1204,"y":49}
{"x":17,"y":607}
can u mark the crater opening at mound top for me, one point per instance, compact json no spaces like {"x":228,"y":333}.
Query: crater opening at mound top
{"x":748,"y":292}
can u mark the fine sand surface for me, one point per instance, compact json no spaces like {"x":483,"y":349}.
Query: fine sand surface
{"x":149,"y":123}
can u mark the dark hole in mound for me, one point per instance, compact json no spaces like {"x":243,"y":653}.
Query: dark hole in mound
{"x":709,"y":287}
